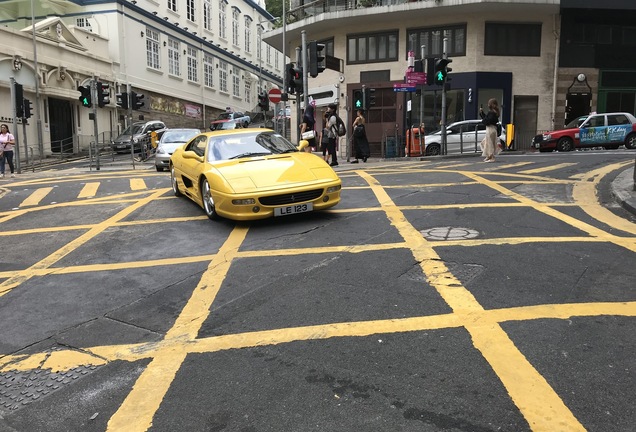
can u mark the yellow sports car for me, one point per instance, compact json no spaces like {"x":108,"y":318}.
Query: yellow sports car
{"x":246,"y":174}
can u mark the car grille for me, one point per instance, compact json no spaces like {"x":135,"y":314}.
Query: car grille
{"x":290,"y":198}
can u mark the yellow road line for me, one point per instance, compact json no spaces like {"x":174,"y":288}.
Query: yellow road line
{"x":35,"y":198}
{"x":89,"y":190}
{"x":548,"y":168}
{"x":538,"y":402}
{"x":139,"y":407}
{"x":513,"y":165}
{"x":137,"y":184}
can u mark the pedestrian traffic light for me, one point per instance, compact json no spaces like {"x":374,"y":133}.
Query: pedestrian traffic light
{"x":137,"y":100}
{"x":103,"y":94}
{"x":430,"y":71}
{"x":85,"y":96}
{"x":358,"y":102}
{"x":19,"y":99}
{"x":122,"y":100}
{"x":369,"y":97}
{"x":442,"y":70}
{"x":316,"y":58}
{"x":263,"y":101}
{"x":294,"y":79}
{"x":27,"y":109}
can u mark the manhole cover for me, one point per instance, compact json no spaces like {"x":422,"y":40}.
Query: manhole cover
{"x":449,"y":233}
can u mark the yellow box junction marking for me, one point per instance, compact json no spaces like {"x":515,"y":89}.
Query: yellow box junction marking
{"x":137,"y":184}
{"x":89,"y":190}
{"x":536,"y":400}
{"x":37,"y":196}
{"x":548,"y":168}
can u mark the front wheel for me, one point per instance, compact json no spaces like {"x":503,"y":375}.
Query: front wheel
{"x":630,"y":141}
{"x":565,"y":144}
{"x":433,"y":150}
{"x":208,"y":200}
{"x":173,"y":181}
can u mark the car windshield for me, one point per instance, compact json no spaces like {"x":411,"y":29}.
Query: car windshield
{"x":178,"y":136}
{"x":133,"y":129}
{"x":575,"y":123}
{"x":226,"y":116}
{"x":250,"y":144}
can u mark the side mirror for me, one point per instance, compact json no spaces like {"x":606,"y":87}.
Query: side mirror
{"x":191,"y":155}
{"x":302,"y":145}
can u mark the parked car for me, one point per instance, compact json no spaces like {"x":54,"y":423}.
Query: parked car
{"x":234,"y":116}
{"x":461,"y":137}
{"x":245,"y":174}
{"x":607,"y":130}
{"x":170,"y":140}
{"x":137,"y":133}
{"x":562,"y":139}
{"x":226,"y":125}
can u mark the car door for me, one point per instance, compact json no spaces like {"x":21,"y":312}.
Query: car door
{"x":472,"y":134}
{"x":592,"y":131}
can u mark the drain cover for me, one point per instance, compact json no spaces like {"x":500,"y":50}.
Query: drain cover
{"x":449,"y":233}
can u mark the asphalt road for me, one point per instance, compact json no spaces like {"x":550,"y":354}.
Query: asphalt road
{"x":439,"y":295}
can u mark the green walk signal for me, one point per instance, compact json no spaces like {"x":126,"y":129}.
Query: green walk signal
{"x":358,"y":103}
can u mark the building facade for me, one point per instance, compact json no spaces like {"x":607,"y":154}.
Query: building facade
{"x":546,"y":61}
{"x":190,"y":59}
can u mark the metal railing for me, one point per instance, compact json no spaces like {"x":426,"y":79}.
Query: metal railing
{"x":322,"y":6}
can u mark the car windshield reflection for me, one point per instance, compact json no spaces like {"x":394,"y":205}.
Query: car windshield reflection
{"x":247,"y":145}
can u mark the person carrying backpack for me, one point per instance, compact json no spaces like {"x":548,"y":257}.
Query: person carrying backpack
{"x":333,"y":133}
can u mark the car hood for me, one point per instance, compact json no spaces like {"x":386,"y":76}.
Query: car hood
{"x":274,"y":172}
{"x":563,"y":132}
{"x":171,"y":146}
{"x":126,"y":138}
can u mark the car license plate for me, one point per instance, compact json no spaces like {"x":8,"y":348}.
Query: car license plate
{"x":297,"y":208}
{"x":121,"y":146}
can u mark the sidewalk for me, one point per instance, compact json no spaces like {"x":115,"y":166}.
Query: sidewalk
{"x":623,"y":190}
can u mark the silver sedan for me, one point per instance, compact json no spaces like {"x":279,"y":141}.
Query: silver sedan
{"x":170,"y":140}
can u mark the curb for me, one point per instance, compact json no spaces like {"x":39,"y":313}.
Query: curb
{"x":623,"y":190}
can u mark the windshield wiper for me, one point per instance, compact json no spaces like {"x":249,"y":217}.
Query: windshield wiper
{"x":248,"y":154}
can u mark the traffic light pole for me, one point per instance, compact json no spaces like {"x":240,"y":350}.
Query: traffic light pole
{"x":421,"y":132}
{"x":443,"y":125}
{"x":15,"y":124}
{"x":94,"y":98}
{"x":303,"y":53}
{"x":298,"y":111}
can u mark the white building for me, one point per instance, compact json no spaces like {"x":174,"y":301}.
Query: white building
{"x":191,"y":59}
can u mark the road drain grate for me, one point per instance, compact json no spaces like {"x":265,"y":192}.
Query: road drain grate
{"x":449,"y":233}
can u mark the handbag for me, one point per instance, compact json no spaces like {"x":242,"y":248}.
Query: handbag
{"x":309,"y":135}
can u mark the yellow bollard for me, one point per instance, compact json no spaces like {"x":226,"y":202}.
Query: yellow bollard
{"x":510,"y":134}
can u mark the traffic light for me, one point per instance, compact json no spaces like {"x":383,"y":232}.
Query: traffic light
{"x":442,"y":70}
{"x":103,"y":94}
{"x":19,"y":99}
{"x":27,"y":109}
{"x":294,"y":79}
{"x":358,"y":102}
{"x":85,"y":96}
{"x":137,"y":100}
{"x":263,"y":101}
{"x":369,"y":97}
{"x":430,"y":71}
{"x":122,"y":100}
{"x":316,"y":58}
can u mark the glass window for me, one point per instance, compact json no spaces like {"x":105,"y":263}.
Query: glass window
{"x":371,"y":47}
{"x":433,"y":39}
{"x":152,"y":48}
{"x":512,"y":39}
{"x":174,"y":58}
{"x":193,"y":64}
{"x":208,"y":70}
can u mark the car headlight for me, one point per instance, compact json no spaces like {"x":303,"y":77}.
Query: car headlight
{"x":160,"y":150}
{"x":547,"y":137}
{"x":333,"y":189}
{"x":135,"y":140}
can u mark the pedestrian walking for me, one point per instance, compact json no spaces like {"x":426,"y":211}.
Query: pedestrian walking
{"x":308,"y":126}
{"x":360,"y":141}
{"x":332,"y":133}
{"x":489,"y":145}
{"x":7,"y":141}
{"x":324,"y":136}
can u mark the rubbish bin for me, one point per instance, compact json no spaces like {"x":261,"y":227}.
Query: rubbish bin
{"x":415,"y":144}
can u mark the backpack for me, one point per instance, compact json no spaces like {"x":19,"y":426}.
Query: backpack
{"x":341,"y":129}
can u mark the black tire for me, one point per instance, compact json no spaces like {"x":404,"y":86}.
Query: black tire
{"x":565,"y":144}
{"x":160,"y":169}
{"x":545,"y":150}
{"x":630,"y":141}
{"x":173,"y":181}
{"x":207,"y":200}
{"x":433,"y":150}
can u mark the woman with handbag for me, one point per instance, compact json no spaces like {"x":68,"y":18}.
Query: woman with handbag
{"x":307,"y":131}
{"x":360,"y":141}
{"x":7,"y":141}
{"x":489,"y":145}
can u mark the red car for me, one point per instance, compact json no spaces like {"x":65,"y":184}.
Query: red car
{"x":607,"y":130}
{"x":561,"y":140}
